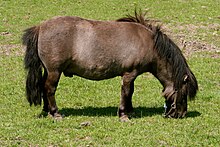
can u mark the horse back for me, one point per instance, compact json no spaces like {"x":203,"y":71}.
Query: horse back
{"x":94,"y":49}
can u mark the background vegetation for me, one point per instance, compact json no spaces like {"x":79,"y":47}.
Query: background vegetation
{"x":91,"y":107}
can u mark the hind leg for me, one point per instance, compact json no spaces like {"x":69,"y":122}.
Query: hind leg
{"x":46,"y":103}
{"x":50,"y":89}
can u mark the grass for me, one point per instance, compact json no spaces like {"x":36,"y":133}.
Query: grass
{"x":95,"y":103}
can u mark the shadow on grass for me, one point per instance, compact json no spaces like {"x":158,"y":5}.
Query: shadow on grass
{"x":193,"y":114}
{"x":112,"y":111}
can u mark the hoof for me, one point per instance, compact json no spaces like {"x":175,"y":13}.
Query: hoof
{"x":124,"y":118}
{"x":56,"y":116}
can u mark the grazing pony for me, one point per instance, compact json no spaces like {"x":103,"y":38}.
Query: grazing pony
{"x":99,"y":50}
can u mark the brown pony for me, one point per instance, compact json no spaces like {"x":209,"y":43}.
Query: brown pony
{"x":99,"y":50}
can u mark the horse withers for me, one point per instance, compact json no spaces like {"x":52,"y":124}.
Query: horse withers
{"x":99,"y":50}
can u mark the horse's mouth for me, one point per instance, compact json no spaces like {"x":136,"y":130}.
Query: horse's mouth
{"x":174,"y":114}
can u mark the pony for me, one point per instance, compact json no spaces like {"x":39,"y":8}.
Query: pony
{"x":99,"y":50}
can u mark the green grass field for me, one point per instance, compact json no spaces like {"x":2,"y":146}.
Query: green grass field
{"x":91,"y":107}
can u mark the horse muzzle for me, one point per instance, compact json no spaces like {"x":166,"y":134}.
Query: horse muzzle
{"x":174,"y":110}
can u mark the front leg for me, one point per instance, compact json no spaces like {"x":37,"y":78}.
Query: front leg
{"x":127,"y":90}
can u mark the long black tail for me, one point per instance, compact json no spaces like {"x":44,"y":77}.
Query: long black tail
{"x":33,"y":66}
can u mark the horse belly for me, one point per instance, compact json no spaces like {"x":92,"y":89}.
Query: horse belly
{"x":92,"y":72}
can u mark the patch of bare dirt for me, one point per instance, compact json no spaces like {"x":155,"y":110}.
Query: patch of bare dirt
{"x":189,"y":42}
{"x":12,"y":49}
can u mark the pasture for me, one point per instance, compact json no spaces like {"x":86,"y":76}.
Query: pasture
{"x":90,"y":107}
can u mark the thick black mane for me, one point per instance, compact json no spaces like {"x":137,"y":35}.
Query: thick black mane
{"x":141,"y":19}
{"x":167,"y":49}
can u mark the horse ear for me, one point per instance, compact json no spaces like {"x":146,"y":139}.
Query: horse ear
{"x":186,"y":79}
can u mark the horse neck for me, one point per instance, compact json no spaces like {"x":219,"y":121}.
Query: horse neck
{"x":170,"y":63}
{"x":164,"y":73}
